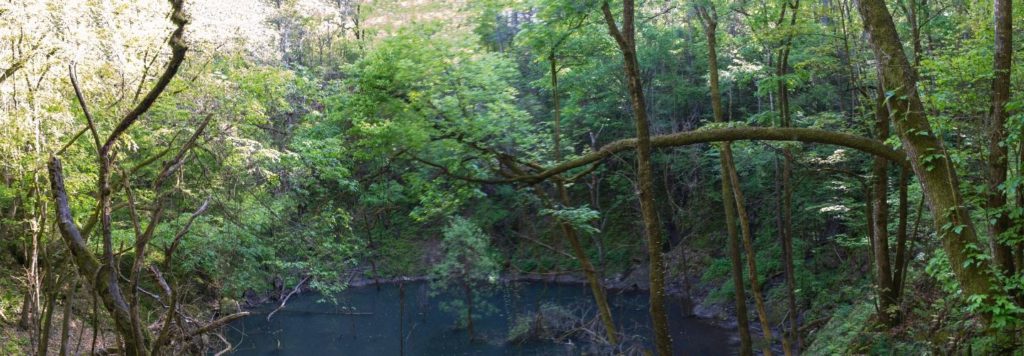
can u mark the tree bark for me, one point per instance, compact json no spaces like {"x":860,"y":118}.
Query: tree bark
{"x":748,"y":246}
{"x":596,"y":286}
{"x":926,"y":152}
{"x":710,"y":25}
{"x":786,"y":230}
{"x":645,"y":180}
{"x":888,"y":305}
{"x":998,"y":162}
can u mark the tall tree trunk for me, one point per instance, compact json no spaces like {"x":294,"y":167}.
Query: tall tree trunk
{"x":998,"y":162}
{"x":710,"y":25}
{"x":645,"y":181}
{"x":65,"y":329}
{"x":900,"y":264}
{"x":596,"y":286}
{"x":926,"y":152}
{"x":786,"y":231}
{"x":748,"y":246}
{"x":888,"y":306}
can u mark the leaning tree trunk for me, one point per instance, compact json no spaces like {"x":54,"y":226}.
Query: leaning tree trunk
{"x":645,"y":175}
{"x":926,"y":153}
{"x":596,"y":287}
{"x":748,"y":246}
{"x":87,"y":264}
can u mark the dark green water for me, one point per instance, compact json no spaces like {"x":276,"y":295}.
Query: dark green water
{"x":309,"y":327}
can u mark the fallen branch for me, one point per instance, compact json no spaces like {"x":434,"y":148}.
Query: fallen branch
{"x":814,"y":324}
{"x":318,"y":312}
{"x":285,"y":301}
{"x":226,"y":349}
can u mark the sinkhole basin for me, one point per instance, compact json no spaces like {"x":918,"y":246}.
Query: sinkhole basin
{"x":410,"y":319}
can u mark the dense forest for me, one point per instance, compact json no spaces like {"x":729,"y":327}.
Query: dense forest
{"x":813,"y":176}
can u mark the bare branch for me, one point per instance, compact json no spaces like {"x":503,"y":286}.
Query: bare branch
{"x":283,"y":302}
{"x":72,"y":72}
{"x":184,"y":230}
{"x":178,"y":49}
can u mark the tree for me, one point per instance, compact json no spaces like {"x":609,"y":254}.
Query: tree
{"x":552,"y":39}
{"x":467,"y":263}
{"x":998,"y":150}
{"x":625,"y":37}
{"x":709,"y":18}
{"x":927,"y":155}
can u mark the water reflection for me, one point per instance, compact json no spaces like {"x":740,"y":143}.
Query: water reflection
{"x":369,"y":322}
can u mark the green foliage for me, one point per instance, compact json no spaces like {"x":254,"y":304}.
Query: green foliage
{"x":579,"y":218}
{"x":467,"y":256}
{"x":843,"y":333}
{"x":468,"y":267}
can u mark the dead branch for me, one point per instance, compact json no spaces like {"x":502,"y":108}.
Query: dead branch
{"x":283,"y":302}
{"x":216,"y":324}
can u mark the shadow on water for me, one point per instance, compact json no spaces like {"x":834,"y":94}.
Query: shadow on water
{"x":366,"y":321}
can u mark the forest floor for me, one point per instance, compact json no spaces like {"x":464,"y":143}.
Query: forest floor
{"x":16,"y":340}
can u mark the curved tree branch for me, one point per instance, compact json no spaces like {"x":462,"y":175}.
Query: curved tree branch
{"x":859,"y":143}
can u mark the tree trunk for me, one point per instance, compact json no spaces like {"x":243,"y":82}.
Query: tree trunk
{"x":645,"y":180}
{"x":998,"y":162}
{"x":401,"y":318}
{"x":900,"y":265}
{"x":710,"y":25}
{"x":888,"y":305}
{"x":786,"y":231}
{"x":87,"y":264}
{"x":596,"y":286}
{"x":65,"y":329}
{"x":926,"y":152}
{"x":748,"y":245}
{"x":684,"y":138}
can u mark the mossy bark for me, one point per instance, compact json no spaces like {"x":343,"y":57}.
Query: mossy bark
{"x":593,"y":279}
{"x":625,"y":37}
{"x":998,"y":153}
{"x":748,"y":246}
{"x":710,"y":21}
{"x":926,"y":153}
